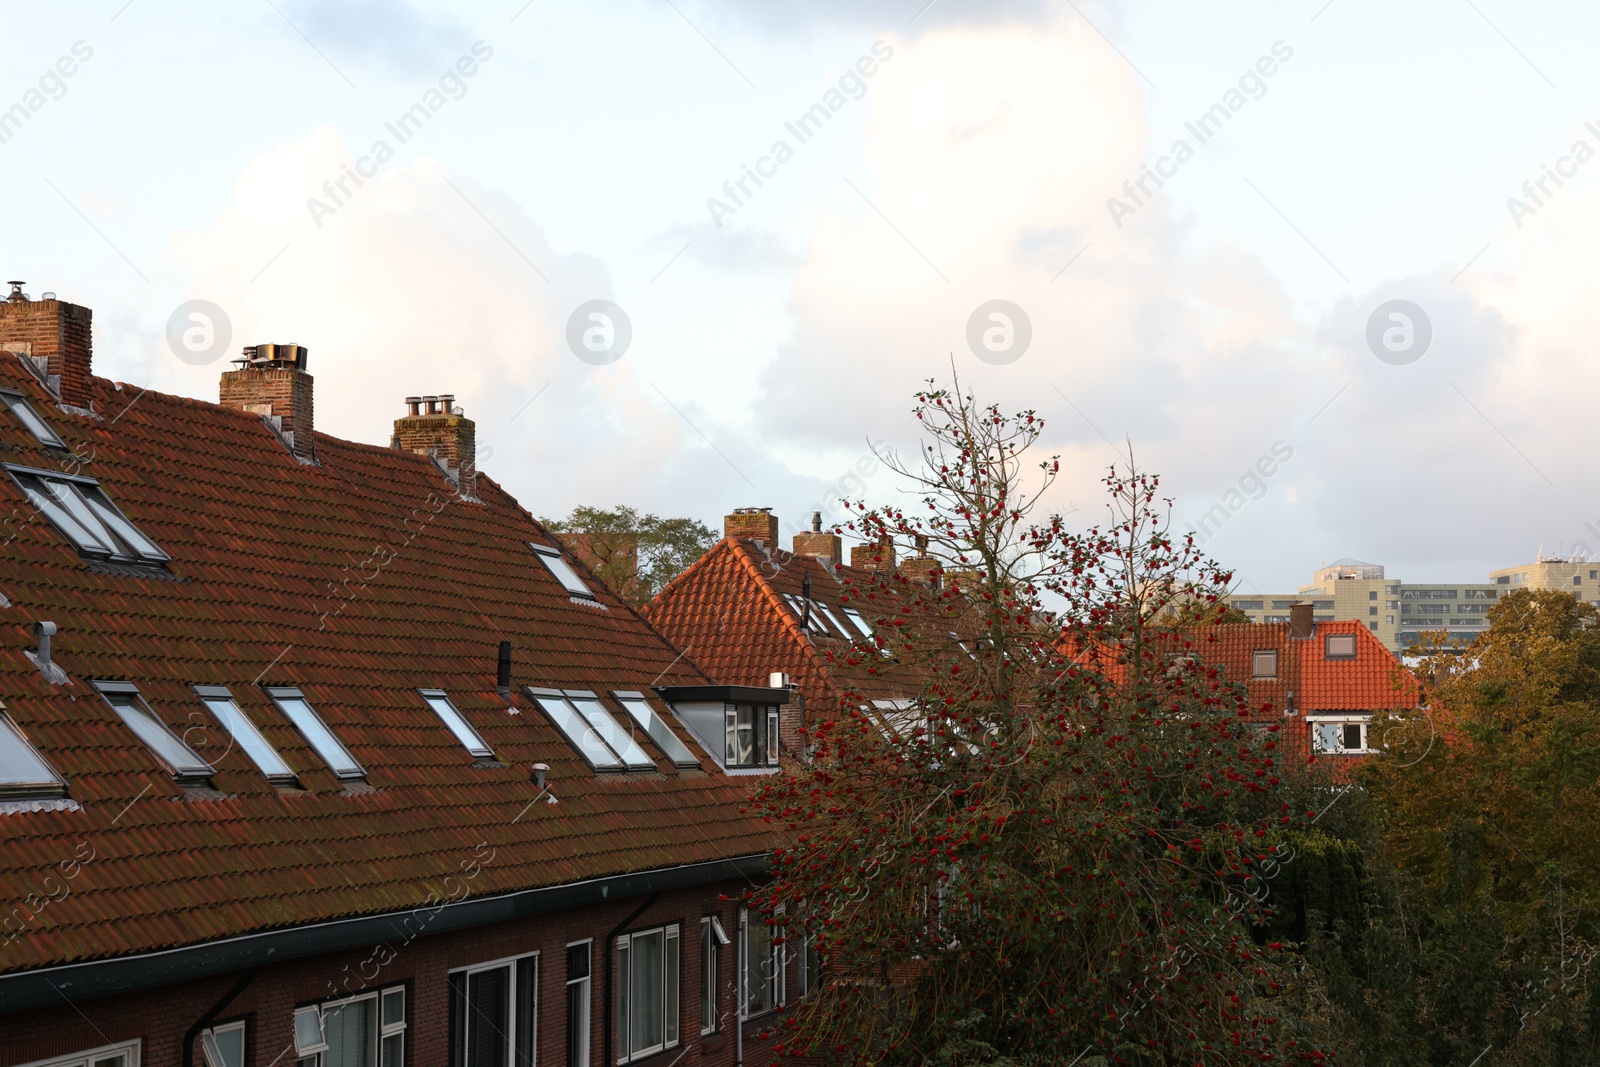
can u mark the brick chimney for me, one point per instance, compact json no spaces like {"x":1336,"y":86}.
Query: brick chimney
{"x":878,"y":557}
{"x":1300,"y":621}
{"x":756,"y":523}
{"x":920,"y":568}
{"x":435,"y":427}
{"x":58,"y":337}
{"x":271,"y":381}
{"x":818,"y":545}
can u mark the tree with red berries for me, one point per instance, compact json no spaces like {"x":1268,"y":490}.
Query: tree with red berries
{"x":1062,"y":852}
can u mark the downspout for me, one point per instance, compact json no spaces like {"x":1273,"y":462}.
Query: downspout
{"x":610,"y":963}
{"x":211,"y":1016}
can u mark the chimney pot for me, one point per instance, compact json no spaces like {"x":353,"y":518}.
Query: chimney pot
{"x":414,"y":404}
{"x":436,"y":427}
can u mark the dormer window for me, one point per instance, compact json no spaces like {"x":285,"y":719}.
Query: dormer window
{"x":23,"y":772}
{"x":750,"y":735}
{"x":24,"y":413}
{"x":180,"y":761}
{"x":82,"y":513}
{"x":293,"y":704}
{"x":563,"y":571}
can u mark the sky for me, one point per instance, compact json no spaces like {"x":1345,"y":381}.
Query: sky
{"x":1352,"y":314}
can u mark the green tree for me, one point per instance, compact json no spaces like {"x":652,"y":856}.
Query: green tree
{"x":1052,"y":856}
{"x":635,"y":554}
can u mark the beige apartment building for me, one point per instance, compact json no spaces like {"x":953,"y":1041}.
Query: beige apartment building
{"x":1580,"y":577}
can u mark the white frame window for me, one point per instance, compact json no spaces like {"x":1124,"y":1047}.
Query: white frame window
{"x":174,"y":754}
{"x":24,"y":772}
{"x":750,"y":735}
{"x":1339,"y":646}
{"x":298,"y":710}
{"x":224,"y":1045}
{"x":653,"y":723}
{"x":591,"y":729}
{"x":1264,"y":663}
{"x":761,"y":967}
{"x":457,"y":723}
{"x":712,"y":941}
{"x":580,"y":980}
{"x":562,"y":571}
{"x":648,"y":973}
{"x":494,"y":1009}
{"x":809,"y":965}
{"x":31,"y":420}
{"x":121,"y":1054}
{"x":859,"y":622}
{"x":1341,"y":736}
{"x":219,"y":701}
{"x":384,"y":1039}
{"x":82,"y":513}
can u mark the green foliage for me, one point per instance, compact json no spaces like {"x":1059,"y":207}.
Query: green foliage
{"x":635,"y":554}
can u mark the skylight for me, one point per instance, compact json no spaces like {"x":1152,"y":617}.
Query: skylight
{"x":23,"y":772}
{"x":80,"y":510}
{"x":219,"y":701}
{"x":653,"y":724}
{"x":30,"y":419}
{"x":181,"y":761}
{"x":558,"y":566}
{"x":440,"y":703}
{"x":589,"y":727}
{"x":814,"y":622}
{"x":316,"y":732}
{"x":858,"y":622}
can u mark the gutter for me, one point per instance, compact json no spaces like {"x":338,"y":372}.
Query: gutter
{"x":151,"y":970}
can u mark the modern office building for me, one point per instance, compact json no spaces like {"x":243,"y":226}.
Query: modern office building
{"x":1580,"y":577}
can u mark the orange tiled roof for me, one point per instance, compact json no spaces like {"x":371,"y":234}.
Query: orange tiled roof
{"x":359,"y":581}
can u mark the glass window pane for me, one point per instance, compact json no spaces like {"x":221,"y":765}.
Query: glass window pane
{"x":394,"y":1051}
{"x":757,"y":966}
{"x":394,"y":1007}
{"x":646,"y":1018}
{"x":317,"y":734}
{"x":527,"y":1012}
{"x":615,"y":737}
{"x":307,"y":1029}
{"x":108,"y":513}
{"x":62,"y":519}
{"x":624,"y":993}
{"x":242,"y":730}
{"x":458,"y":724}
{"x":708,"y":977}
{"x":30,"y":419}
{"x":21,"y":768}
{"x":583,"y":737}
{"x":670,"y":978}
{"x":858,"y":622}
{"x":228,"y":1041}
{"x":1325,"y":736}
{"x":67,"y":495}
{"x":654,"y":725}
{"x":166,"y":745}
{"x":352,"y":1033}
{"x":564,"y":573}
{"x":745,"y":737}
{"x":489,"y":1018}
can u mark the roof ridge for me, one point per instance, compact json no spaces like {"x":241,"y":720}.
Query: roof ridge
{"x":683,"y":576}
{"x":808,"y":649}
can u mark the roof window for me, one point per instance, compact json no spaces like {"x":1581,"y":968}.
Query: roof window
{"x":858,"y":622}
{"x":293,"y":704}
{"x":563,"y":571}
{"x":23,"y":772}
{"x":219,"y":701}
{"x":590,"y":728}
{"x":181,"y":761}
{"x":458,"y":724}
{"x":1264,"y":663}
{"x":1339,"y":646}
{"x":30,"y":419}
{"x":82,"y":513}
{"x":652,"y":723}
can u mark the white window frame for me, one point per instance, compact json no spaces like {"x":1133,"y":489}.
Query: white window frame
{"x":562,"y":571}
{"x":653,"y":723}
{"x":1255,"y":662}
{"x":80,"y":511}
{"x":776,"y":960}
{"x":859,"y":622}
{"x":510,"y":964}
{"x":268,"y":760}
{"x":456,"y":722}
{"x":319,"y":740}
{"x":89,"y":1057}
{"x":671,"y":990}
{"x":1315,"y":723}
{"x":311,"y":1054}
{"x":585,"y":986}
{"x":211,"y":1052}
{"x":712,"y":940}
{"x":153,"y":732}
{"x":54,"y":786}
{"x":31,"y":419}
{"x":764,"y":754}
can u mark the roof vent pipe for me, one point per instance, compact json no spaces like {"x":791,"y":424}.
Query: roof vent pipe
{"x":41,"y":655}
{"x":503,"y":670}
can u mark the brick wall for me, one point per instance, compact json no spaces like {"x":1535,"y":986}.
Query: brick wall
{"x":751,"y":523}
{"x":878,"y":557}
{"x":819,"y":545}
{"x":161,"y":1017}
{"x":452,"y":438}
{"x":282,"y":391}
{"x":59,"y":331}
